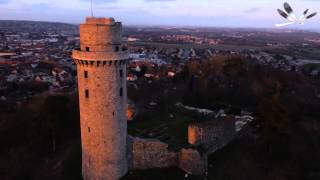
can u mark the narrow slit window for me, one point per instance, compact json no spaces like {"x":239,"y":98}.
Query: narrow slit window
{"x":121,"y":92}
{"x":89,"y":129}
{"x":121,"y":73}
{"x":87,"y":93}
{"x":87,"y":49}
{"x":86,"y":74}
{"x":117,"y":48}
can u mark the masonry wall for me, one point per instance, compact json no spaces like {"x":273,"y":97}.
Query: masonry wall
{"x":213,"y":134}
{"x":151,"y":153}
{"x":102,"y":91}
{"x":100,"y":34}
{"x":192,"y":161}
{"x":146,"y":154}
{"x":103,"y":121}
{"x":205,"y":137}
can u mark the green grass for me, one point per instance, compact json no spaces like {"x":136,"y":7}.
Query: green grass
{"x":177,"y":126}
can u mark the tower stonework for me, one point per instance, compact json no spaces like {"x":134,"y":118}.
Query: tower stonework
{"x":101,"y":70}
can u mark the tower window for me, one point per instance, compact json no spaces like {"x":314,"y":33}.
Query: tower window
{"x":121,"y":92}
{"x":117,"y":48}
{"x":87,"y":49}
{"x":87,"y":93}
{"x":85,"y":74}
{"x":89,"y":129}
{"x":121,"y":73}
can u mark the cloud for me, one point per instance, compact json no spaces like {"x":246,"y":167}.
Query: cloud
{"x":180,"y":12}
{"x":252,"y":10}
{"x":4,"y":1}
{"x":100,"y":1}
{"x":159,"y":0}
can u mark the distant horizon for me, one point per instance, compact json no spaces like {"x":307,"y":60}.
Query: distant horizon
{"x":317,"y":30}
{"x":199,"y":13}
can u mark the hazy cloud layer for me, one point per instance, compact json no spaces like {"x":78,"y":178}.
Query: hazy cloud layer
{"x":4,"y":1}
{"x":253,"y":13}
{"x":158,"y":0}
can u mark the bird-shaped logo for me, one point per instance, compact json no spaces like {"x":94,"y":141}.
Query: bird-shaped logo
{"x":292,"y":18}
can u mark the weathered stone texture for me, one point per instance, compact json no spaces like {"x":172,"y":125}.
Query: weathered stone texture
{"x":212,"y":135}
{"x":99,"y":56}
{"x":100,"y":34}
{"x":150,"y":153}
{"x":102,"y":108}
{"x":191,"y":161}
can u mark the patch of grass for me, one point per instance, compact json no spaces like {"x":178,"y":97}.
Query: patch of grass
{"x":177,"y":125}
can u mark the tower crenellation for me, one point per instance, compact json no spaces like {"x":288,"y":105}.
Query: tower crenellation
{"x":101,"y":71}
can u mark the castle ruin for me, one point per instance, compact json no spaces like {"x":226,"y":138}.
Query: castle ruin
{"x":107,"y":151}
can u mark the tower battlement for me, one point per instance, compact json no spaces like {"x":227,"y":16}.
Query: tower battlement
{"x":100,"y":35}
{"x":95,"y":20}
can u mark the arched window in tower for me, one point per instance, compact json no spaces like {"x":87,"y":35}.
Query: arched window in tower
{"x":117,"y":48}
{"x":86,"y":74}
{"x":121,"y":73}
{"x":87,"y":49}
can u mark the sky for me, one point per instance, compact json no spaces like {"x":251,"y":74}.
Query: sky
{"x":218,"y":13}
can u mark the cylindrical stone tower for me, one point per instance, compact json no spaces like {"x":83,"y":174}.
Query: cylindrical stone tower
{"x":101,"y":68}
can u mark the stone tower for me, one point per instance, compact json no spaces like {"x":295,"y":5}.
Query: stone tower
{"x":101,"y":68}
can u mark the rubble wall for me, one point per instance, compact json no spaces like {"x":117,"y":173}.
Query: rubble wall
{"x":192,"y":162}
{"x":150,"y":153}
{"x":146,"y":154}
{"x":212,"y":135}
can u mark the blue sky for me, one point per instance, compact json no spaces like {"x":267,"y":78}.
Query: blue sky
{"x":225,"y":13}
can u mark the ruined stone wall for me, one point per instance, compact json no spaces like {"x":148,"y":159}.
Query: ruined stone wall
{"x":212,"y":135}
{"x":192,"y":162}
{"x":102,"y":99}
{"x":151,"y":153}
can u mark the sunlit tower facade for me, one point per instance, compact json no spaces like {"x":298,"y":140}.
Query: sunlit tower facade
{"x":101,"y":70}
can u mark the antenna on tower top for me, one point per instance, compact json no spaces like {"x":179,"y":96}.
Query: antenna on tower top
{"x":91,"y":9}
